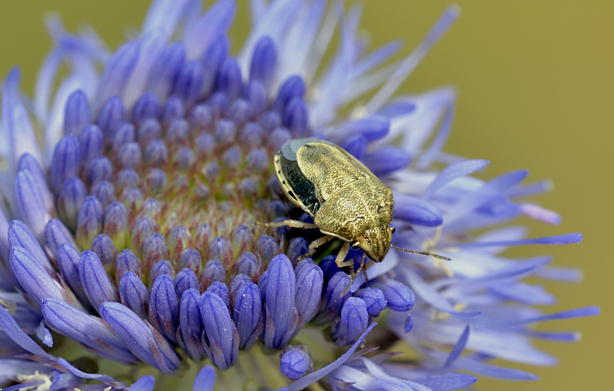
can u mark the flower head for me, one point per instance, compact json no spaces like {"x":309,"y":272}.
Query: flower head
{"x":131,"y":232}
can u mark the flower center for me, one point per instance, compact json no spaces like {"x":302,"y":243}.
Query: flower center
{"x":200,"y":178}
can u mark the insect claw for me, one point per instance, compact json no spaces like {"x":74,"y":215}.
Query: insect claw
{"x":352,"y":278}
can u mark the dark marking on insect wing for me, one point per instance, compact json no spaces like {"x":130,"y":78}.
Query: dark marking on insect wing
{"x":302,"y":187}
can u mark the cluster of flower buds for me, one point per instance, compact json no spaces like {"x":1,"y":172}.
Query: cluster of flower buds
{"x":156,"y":233}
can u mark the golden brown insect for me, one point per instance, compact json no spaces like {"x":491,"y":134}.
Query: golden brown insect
{"x":345,"y":199}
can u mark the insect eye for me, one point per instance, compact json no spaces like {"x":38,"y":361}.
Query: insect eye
{"x":393,"y":230}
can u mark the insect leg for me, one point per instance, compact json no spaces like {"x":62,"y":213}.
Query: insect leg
{"x":315,"y":244}
{"x":289,"y":223}
{"x":353,"y":275}
{"x":364,"y":269}
{"x":340,"y":260}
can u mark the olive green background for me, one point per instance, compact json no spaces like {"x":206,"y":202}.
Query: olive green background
{"x":536,"y":91}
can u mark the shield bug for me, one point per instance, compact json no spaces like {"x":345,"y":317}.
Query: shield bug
{"x":344,"y":198}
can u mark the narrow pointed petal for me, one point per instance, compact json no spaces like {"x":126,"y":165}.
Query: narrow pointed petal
{"x":451,"y":173}
{"x":447,"y":381}
{"x":371,"y":128}
{"x":387,"y":160}
{"x":22,"y":138}
{"x":117,"y":71}
{"x":212,"y":60}
{"x":264,"y":60}
{"x":164,"y":15}
{"x":28,"y":162}
{"x":417,"y":211}
{"x":166,"y":69}
{"x":550,"y":240}
{"x":319,"y":374}
{"x":19,"y":235}
{"x":409,"y":64}
{"x":33,"y":278}
{"x":575,"y":313}
{"x":30,"y":205}
{"x":142,"y":339}
{"x":151,"y":46}
{"x":4,"y":251}
{"x":458,"y":347}
{"x":86,"y":329}
{"x":145,"y":383}
{"x":215,"y":23}
{"x":10,"y":328}
{"x":108,"y":380}
{"x":485,"y":194}
{"x":430,"y":295}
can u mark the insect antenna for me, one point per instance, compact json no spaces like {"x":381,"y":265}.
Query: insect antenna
{"x":422,"y":253}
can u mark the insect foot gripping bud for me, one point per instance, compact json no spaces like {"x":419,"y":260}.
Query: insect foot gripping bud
{"x":344,"y":198}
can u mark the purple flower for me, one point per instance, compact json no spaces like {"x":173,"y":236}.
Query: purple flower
{"x":132,"y":230}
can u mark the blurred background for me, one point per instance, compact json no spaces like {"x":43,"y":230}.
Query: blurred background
{"x":535,"y":91}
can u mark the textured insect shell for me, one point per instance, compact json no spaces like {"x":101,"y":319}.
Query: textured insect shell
{"x":345,"y":199}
